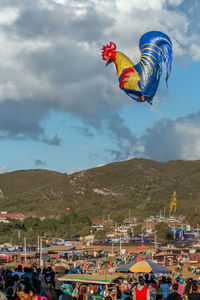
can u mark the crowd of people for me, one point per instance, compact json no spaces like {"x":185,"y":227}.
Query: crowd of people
{"x":148,"y":287}
{"x":37,"y":284}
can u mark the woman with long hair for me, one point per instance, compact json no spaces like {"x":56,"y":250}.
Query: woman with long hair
{"x":25,"y":291}
{"x":188,"y":288}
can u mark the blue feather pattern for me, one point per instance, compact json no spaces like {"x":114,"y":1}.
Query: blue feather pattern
{"x":156,"y":50}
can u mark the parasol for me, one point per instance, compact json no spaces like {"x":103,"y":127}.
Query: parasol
{"x":148,"y":266}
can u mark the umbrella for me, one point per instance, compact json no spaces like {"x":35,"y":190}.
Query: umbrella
{"x":125,"y":268}
{"x":147,"y":266}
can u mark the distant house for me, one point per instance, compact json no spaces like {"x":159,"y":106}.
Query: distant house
{"x":4,"y":217}
{"x":100,"y":224}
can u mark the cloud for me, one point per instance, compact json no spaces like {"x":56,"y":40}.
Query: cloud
{"x":50,"y":59}
{"x":39,"y":162}
{"x":74,"y":170}
{"x":3,"y":169}
{"x":55,"y":140}
{"x":84,"y":131}
{"x":123,"y":137}
{"x":166,"y":140}
{"x":171,"y":140}
{"x":22,"y":121}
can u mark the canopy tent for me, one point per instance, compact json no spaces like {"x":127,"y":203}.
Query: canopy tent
{"x":125,"y":268}
{"x":148,"y":266}
{"x":143,"y":247}
{"x":92,"y":279}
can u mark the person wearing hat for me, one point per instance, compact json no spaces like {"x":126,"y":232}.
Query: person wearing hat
{"x":67,"y":290}
{"x":152,"y":282}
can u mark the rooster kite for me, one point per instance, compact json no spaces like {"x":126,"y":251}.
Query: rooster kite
{"x":140,"y":81}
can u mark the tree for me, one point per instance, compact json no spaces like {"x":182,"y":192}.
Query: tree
{"x":100,"y":235}
{"x":118,"y":218}
{"x":163,"y":232}
{"x":31,"y":224}
{"x":137,"y":230}
{"x":84,"y":231}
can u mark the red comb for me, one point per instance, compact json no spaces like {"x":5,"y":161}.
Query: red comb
{"x":107,"y":49}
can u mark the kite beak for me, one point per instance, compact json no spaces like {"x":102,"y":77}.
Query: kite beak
{"x":108,"y":62}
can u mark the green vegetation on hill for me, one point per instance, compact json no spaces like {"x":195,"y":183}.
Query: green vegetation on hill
{"x":65,"y":227}
{"x":140,"y":187}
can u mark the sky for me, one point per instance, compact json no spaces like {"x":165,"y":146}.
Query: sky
{"x":62,"y":110}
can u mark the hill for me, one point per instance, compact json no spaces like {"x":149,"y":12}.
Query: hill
{"x":139,"y":186}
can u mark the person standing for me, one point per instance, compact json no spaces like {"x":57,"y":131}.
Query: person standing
{"x":25,"y":291}
{"x":194,"y":295}
{"x":180,"y":286}
{"x":141,"y":291}
{"x":175,"y":295}
{"x":164,"y":287}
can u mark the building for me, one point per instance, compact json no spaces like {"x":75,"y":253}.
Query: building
{"x":4,"y":217}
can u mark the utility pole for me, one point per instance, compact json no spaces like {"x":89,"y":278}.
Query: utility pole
{"x":38,"y":243}
{"x":155,"y":242}
{"x":174,"y":231}
{"x":25,"y":249}
{"x":41,"y":261}
{"x":120,"y":246}
{"x":164,"y":211}
{"x":142,"y":235}
{"x":196,"y":208}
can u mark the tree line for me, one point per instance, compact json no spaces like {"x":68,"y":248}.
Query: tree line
{"x":64,"y":227}
{"x":67,"y":227}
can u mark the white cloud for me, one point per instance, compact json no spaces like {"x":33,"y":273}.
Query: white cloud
{"x":48,"y":32}
{"x":171,"y":140}
{"x":187,"y":128}
{"x":3,"y":169}
{"x":195,"y":52}
{"x":74,"y":170}
{"x":190,"y":139}
{"x":175,"y":2}
{"x":8,"y":15}
{"x":51,"y":53}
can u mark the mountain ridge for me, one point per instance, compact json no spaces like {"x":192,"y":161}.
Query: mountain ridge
{"x":140,"y":186}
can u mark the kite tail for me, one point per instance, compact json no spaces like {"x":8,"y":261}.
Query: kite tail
{"x":156,"y":50}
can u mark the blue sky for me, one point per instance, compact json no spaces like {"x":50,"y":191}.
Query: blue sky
{"x":62,"y":110}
